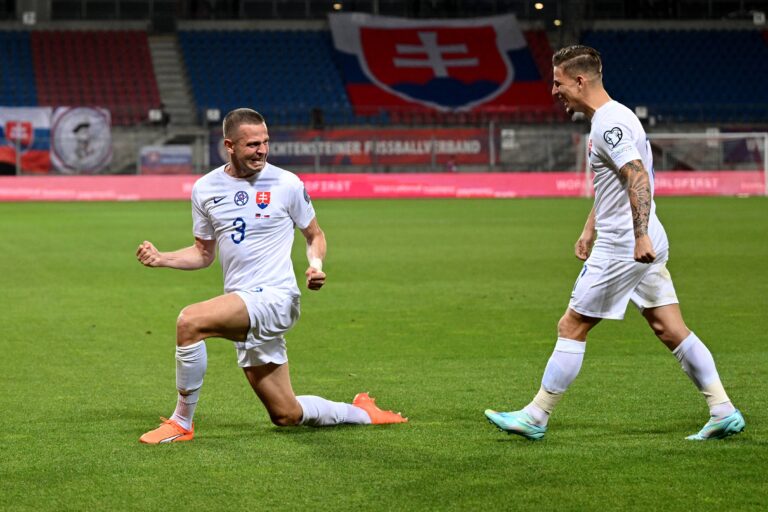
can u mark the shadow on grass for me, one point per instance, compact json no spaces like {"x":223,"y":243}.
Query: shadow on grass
{"x":230,"y":430}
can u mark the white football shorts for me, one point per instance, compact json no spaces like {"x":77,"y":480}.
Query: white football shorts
{"x":272,"y":315}
{"x":605,"y":287}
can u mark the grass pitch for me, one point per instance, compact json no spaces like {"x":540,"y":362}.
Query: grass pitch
{"x":439,"y":308}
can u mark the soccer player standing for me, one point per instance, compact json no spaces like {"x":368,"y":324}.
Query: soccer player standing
{"x":625,"y":249}
{"x":249,"y":209}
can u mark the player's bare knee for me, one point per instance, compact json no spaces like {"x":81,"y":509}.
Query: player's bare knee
{"x":573,"y":326}
{"x":285,"y":418}
{"x":187,"y":328}
{"x":658,"y":328}
{"x":285,"y":415}
{"x":670,"y":335}
{"x":567,"y":328}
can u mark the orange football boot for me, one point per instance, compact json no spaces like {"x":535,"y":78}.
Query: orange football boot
{"x":168,"y":432}
{"x":378,"y":417}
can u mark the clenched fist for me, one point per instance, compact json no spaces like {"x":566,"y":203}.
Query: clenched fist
{"x":148,"y":255}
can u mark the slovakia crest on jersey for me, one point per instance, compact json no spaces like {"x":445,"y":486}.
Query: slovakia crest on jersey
{"x":262,"y":199}
{"x":448,"y":65}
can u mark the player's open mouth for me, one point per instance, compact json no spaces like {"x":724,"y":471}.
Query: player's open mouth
{"x":566,"y":106}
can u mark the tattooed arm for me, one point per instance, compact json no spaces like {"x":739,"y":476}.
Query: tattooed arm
{"x":634,"y":176}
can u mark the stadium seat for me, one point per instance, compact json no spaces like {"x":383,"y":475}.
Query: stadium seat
{"x":296,"y":71}
{"x":683,"y":75}
{"x":538,"y":43}
{"x":17,"y":74}
{"x":109,"y":69}
{"x":293,"y":71}
{"x":686,"y":75}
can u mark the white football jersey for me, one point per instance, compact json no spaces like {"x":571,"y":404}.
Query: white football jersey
{"x":253,"y":222}
{"x":616,"y":138}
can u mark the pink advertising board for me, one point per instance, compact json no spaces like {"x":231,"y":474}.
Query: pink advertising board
{"x":364,"y":186}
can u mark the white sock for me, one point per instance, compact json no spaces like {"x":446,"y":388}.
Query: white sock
{"x":697,"y":362}
{"x":191,"y":363}
{"x":562,"y":368}
{"x":185,"y":409}
{"x":319,"y":412}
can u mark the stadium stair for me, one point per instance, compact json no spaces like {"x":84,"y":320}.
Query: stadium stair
{"x":172,"y":80}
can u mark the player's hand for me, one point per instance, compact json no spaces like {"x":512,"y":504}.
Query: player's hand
{"x":644,"y":252}
{"x":315,"y":278}
{"x":583,"y":246}
{"x":148,"y":255}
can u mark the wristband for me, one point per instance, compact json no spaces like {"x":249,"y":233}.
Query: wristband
{"x":316,"y":263}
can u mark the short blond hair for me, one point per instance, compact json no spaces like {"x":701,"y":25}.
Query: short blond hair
{"x":238,"y":117}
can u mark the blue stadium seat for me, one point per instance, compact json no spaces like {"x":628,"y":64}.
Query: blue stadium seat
{"x":282,"y":73}
{"x":687,"y":75}
{"x":17,"y":74}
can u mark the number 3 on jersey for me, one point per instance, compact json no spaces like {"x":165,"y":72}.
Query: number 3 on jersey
{"x":239,"y":236}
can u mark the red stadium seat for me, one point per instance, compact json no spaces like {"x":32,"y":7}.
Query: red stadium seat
{"x":111,"y":69}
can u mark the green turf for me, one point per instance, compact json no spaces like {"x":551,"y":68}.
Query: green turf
{"x":439,"y":308}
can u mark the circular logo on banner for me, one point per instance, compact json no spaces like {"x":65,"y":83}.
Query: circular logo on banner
{"x":81,"y":140}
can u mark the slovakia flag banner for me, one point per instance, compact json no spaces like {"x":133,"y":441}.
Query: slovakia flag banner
{"x":440,"y":65}
{"x":27,"y":129}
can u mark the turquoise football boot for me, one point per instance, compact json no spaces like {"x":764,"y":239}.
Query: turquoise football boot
{"x":722,"y":428}
{"x":516,"y":422}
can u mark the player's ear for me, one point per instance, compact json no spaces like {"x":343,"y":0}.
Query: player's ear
{"x":228,"y":145}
